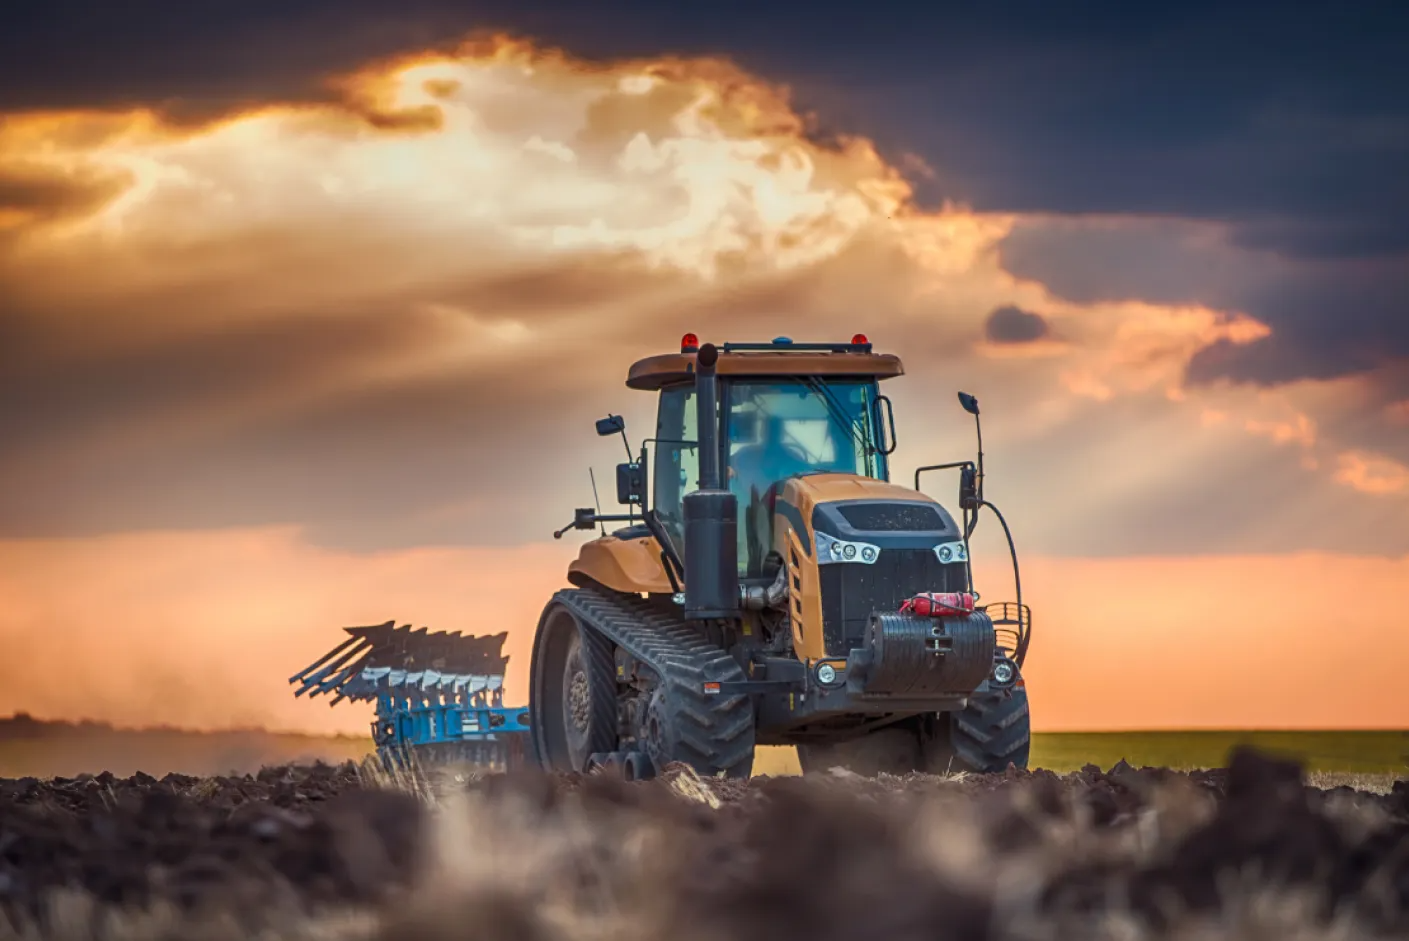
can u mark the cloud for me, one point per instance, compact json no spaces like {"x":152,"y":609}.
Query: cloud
{"x":389,"y":319}
{"x":1292,"y":130}
{"x":1288,"y":141}
{"x":29,"y":195}
{"x":1335,"y":324}
{"x":1373,"y":473}
{"x":1009,"y":324}
{"x":1299,"y":429}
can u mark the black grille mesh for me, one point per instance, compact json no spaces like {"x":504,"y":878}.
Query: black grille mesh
{"x":892,"y":517}
{"x":851,"y":591}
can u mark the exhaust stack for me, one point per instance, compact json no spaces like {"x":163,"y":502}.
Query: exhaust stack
{"x":711,"y":513}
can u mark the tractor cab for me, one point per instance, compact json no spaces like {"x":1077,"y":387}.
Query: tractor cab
{"x":784,"y":410}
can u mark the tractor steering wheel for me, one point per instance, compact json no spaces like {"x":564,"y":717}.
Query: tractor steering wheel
{"x":796,"y":454}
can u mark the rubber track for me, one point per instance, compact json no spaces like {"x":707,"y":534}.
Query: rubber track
{"x":716,"y":733}
{"x":992,"y":731}
{"x":600,"y":664}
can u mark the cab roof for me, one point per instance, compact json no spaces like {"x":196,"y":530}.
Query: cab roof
{"x":782,"y":357}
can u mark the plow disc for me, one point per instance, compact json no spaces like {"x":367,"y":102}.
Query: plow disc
{"x":439,"y":696}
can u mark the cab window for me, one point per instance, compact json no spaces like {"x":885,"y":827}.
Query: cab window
{"x":676,"y":467}
{"x":778,"y":428}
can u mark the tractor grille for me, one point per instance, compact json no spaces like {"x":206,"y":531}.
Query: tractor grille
{"x":851,"y":591}
{"x":892,"y":517}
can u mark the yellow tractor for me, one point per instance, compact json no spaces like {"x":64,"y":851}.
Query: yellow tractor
{"x":772,"y":586}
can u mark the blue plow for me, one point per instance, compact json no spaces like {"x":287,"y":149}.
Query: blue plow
{"x":439,"y":697}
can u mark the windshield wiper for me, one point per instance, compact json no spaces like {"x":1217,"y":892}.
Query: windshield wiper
{"x":840,"y":416}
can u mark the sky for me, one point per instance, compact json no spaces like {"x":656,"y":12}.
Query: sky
{"x":306,"y":310}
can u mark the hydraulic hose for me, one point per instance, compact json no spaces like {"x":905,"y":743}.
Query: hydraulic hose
{"x":1021,"y":652}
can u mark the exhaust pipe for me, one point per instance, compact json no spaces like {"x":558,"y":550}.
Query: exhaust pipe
{"x":711,"y":513}
{"x":707,"y":415}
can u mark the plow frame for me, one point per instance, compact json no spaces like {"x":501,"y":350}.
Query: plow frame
{"x":493,"y":737}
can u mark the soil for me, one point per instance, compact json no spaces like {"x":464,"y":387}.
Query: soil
{"x":1122,"y":852}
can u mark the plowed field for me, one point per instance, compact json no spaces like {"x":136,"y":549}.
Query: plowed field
{"x":1252,"y":851}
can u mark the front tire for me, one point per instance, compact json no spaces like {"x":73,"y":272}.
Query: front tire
{"x":992,"y":732}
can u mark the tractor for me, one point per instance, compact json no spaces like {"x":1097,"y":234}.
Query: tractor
{"x":771,"y":585}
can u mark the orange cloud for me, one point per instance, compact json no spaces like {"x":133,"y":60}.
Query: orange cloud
{"x":1299,"y":429}
{"x":1373,"y":473}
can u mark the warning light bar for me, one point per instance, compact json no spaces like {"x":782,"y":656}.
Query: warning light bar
{"x":689,"y":343}
{"x":858,"y":344}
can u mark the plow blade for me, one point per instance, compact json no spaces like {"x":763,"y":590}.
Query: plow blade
{"x":439,"y":697}
{"x":384,"y":658}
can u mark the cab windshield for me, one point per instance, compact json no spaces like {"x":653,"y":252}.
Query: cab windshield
{"x":777,"y":428}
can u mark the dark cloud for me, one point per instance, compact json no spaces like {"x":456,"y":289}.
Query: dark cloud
{"x":1331,"y":239}
{"x":1011,"y":324}
{"x":44,"y":194}
{"x":1329,"y":318}
{"x":34,"y":196}
{"x":1163,"y":261}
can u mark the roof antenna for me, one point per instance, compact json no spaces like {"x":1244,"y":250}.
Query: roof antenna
{"x":596,"y":499}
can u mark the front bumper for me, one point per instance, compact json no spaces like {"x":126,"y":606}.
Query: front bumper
{"x":906,"y":664}
{"x":906,"y":655}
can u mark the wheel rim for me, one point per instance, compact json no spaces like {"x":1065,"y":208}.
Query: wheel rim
{"x":577,"y":704}
{"x":558,"y":740}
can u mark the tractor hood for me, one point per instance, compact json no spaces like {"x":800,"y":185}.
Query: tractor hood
{"x":864,"y":505}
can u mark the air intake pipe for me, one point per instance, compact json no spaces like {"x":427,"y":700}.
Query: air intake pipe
{"x":711,"y":513}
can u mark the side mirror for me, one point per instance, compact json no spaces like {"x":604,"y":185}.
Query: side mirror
{"x":611,"y":425}
{"x":885,"y":432}
{"x":969,"y":402}
{"x":630,"y":483}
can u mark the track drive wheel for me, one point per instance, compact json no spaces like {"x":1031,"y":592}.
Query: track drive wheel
{"x":572,"y":692}
{"x":992,"y":732}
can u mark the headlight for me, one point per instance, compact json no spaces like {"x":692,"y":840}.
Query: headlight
{"x":948,"y":552}
{"x":832,"y":549}
{"x":1004,"y":674}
